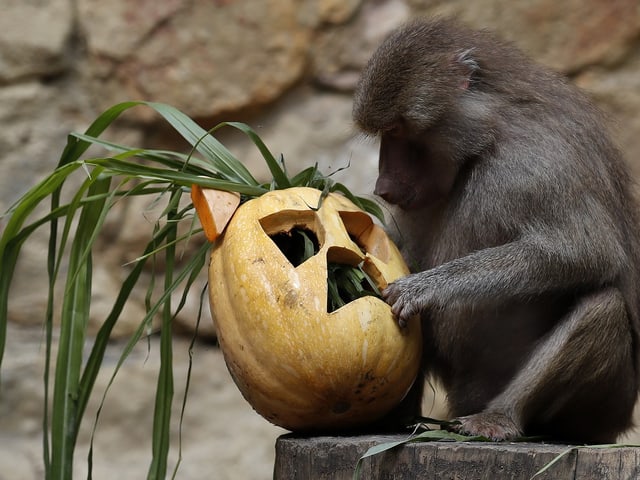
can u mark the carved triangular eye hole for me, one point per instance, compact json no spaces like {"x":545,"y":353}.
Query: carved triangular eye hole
{"x":298,"y":244}
{"x":294,"y":233}
{"x":367,"y":235}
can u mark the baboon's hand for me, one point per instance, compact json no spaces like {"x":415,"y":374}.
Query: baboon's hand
{"x":407,"y":296}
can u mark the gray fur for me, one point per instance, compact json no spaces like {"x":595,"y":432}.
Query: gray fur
{"x":515,"y":212}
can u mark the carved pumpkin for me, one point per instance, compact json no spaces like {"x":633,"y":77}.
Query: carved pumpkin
{"x":299,"y":366}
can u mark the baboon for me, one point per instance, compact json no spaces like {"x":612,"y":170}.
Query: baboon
{"x":516,"y":215}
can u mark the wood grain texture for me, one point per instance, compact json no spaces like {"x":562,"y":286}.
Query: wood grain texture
{"x":335,"y":458}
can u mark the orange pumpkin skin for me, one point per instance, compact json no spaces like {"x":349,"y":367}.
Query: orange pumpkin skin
{"x":298,"y":366}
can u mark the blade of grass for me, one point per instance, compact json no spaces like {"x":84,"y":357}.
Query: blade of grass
{"x":334,"y":300}
{"x":67,"y":163}
{"x":11,"y":241}
{"x":305,"y":177}
{"x":162,"y":175}
{"x":203,"y":294}
{"x":49,"y":446}
{"x":577,"y":448}
{"x":222,"y":160}
{"x":371,"y":285}
{"x":64,"y":210}
{"x":279,"y":175}
{"x":102,"y":338}
{"x":75,"y":314}
{"x":76,"y":147}
{"x":168,"y":158}
{"x":59,"y":454}
{"x":219,"y":156}
{"x":99,"y":348}
{"x":95,"y":207}
{"x":164,"y":390}
{"x":309,"y":248}
{"x":429,"y":435}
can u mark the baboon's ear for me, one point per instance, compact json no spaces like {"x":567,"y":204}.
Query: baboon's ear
{"x":467,"y":66}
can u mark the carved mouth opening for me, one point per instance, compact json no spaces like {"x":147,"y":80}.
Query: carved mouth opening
{"x":367,"y":235}
{"x":347,"y":282}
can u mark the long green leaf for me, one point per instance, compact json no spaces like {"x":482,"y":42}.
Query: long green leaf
{"x":306,"y":176}
{"x":102,"y":338}
{"x":75,"y":315}
{"x":11,"y":241}
{"x":206,"y":144}
{"x":73,"y":150}
{"x":580,"y":447}
{"x":279,"y":175}
{"x":76,"y":147}
{"x":132,"y":169}
{"x":194,"y":337}
{"x":10,"y":244}
{"x":164,"y":389}
{"x":59,"y":454}
{"x":176,"y":160}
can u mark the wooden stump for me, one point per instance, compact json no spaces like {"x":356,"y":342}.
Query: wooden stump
{"x":335,"y":458}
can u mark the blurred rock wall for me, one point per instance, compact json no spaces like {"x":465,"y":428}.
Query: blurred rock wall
{"x":286,"y":67}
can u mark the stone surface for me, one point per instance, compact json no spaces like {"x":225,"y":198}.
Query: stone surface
{"x":309,"y":127}
{"x":222,"y":437}
{"x":315,"y":14}
{"x":618,"y":93}
{"x":210,"y":58}
{"x":33,"y":38}
{"x":339,"y":53}
{"x":36,"y":120}
{"x":565,"y":35}
{"x":115,"y":29}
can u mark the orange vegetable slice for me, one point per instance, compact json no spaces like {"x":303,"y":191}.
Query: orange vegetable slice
{"x":215,"y":208}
